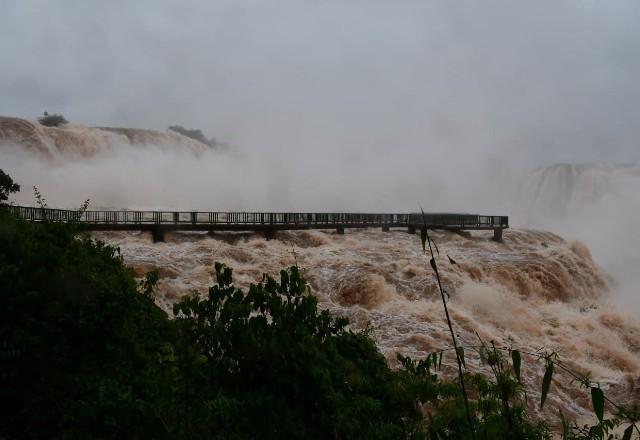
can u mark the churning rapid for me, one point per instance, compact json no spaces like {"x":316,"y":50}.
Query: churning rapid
{"x":535,"y":291}
{"x":596,"y":203}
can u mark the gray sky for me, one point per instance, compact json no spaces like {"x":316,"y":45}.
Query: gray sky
{"x":536,"y":81}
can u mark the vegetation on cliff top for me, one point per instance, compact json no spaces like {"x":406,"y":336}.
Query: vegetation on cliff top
{"x":52,"y":120}
{"x":196,"y":134}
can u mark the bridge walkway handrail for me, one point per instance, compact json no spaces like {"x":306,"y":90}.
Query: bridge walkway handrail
{"x":126,"y":217}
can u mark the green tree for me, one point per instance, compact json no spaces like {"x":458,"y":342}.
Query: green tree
{"x":7,"y":186}
{"x":52,"y":120}
{"x":83,"y":353}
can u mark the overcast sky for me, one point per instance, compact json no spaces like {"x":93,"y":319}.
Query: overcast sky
{"x":542,"y":81}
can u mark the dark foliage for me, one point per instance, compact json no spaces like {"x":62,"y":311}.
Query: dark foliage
{"x":86,"y":353}
{"x":196,"y":134}
{"x":7,"y":186}
{"x":52,"y":120}
{"x":82,"y":353}
{"x":282,"y":369}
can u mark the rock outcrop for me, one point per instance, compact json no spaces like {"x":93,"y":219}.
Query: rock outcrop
{"x":74,"y":140}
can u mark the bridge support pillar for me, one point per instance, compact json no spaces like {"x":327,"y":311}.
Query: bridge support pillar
{"x":269,"y":234}
{"x":497,"y":235}
{"x":340,"y":230}
{"x":158,"y":234}
{"x":411,"y":229}
{"x":385,"y":228}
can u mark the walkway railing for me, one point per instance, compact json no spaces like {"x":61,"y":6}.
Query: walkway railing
{"x":262,"y":219}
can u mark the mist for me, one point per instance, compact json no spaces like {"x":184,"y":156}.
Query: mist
{"x":333,"y":106}
{"x":547,"y":81}
{"x":155,"y":177}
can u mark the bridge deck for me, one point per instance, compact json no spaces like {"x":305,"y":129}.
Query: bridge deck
{"x":158,"y":221}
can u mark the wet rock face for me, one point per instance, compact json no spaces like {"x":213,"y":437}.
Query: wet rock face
{"x":78,"y":141}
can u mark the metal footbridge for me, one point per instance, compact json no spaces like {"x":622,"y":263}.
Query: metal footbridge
{"x":159,"y":222}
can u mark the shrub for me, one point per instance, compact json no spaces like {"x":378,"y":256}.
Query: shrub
{"x":53,"y":120}
{"x":283,"y":369}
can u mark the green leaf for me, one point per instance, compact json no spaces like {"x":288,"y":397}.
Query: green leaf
{"x":515,"y":357}
{"x":433,"y":264}
{"x":423,"y":238}
{"x":149,"y":283}
{"x":483,"y":355}
{"x":565,"y":425}
{"x":460,"y":351}
{"x":223,"y":274}
{"x":627,"y":433}
{"x":597,"y":398}
{"x":546,"y":382}
{"x":440,"y":361}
